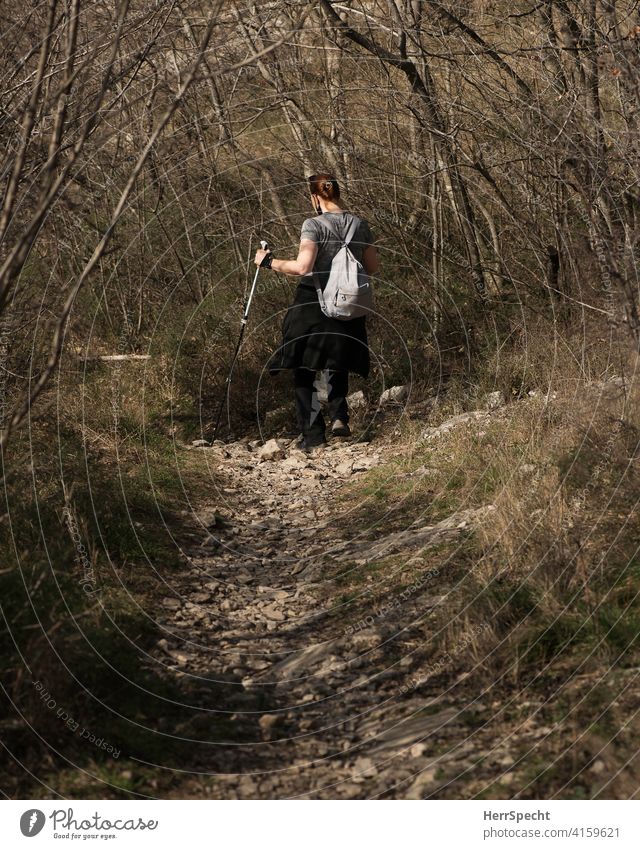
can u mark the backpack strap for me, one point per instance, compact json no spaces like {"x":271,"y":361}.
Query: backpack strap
{"x":350,"y":232}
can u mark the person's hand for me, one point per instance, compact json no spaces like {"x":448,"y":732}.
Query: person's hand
{"x":261,"y":256}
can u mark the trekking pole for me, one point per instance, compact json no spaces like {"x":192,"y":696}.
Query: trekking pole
{"x":243,"y":324}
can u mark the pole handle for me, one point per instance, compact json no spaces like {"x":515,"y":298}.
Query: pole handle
{"x":264,"y":245}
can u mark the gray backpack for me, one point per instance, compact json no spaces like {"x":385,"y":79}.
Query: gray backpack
{"x":348,"y":293}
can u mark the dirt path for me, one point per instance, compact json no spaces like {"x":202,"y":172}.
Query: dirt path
{"x":301,"y":699}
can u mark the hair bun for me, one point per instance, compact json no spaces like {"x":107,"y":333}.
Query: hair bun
{"x":325,"y":185}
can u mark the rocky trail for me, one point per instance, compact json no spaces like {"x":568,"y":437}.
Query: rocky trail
{"x":293,"y":694}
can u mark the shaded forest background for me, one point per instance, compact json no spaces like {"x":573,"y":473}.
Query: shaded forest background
{"x":148,"y":146}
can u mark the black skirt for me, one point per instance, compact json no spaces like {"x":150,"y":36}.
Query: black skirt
{"x":313,"y":341}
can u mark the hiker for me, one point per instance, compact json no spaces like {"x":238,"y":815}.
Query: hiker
{"x":312,"y":341}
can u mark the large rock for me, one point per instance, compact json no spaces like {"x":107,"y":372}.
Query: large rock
{"x":271,"y":450}
{"x":431,"y":433}
{"x":273,"y":612}
{"x":345,"y":468}
{"x":364,"y":463}
{"x":420,"y":537}
{"x":295,"y":463}
{"x":395,"y":395}
{"x":356,"y":400}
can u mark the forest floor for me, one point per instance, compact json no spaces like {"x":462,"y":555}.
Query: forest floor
{"x":328,"y":619}
{"x":449,"y":610}
{"x":330,"y":693}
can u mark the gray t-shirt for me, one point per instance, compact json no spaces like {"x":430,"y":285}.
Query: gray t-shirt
{"x":328,"y":245}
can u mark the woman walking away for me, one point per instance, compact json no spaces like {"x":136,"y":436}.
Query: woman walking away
{"x":311,"y":341}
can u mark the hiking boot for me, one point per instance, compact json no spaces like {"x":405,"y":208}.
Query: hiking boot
{"x":340,"y":428}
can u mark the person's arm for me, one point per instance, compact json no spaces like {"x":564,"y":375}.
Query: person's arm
{"x":370,"y":259}
{"x":298,"y":267}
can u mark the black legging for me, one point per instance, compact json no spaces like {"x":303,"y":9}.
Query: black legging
{"x":310,"y":418}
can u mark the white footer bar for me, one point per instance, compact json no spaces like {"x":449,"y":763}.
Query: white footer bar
{"x":179,"y":824}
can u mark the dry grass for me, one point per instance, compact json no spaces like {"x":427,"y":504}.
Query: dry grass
{"x":128,"y":493}
{"x":553,"y":571}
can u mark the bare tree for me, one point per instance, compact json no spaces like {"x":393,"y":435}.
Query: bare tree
{"x":64,"y":97}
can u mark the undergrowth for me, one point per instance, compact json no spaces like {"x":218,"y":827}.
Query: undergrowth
{"x":549,"y":578}
{"x":98,"y":504}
